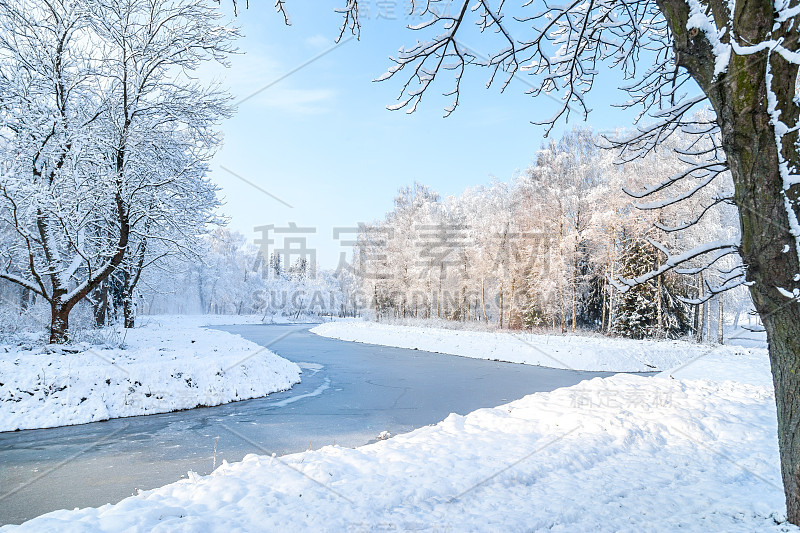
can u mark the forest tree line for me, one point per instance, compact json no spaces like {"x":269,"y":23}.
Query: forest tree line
{"x":236,"y":277}
{"x":545,"y":249}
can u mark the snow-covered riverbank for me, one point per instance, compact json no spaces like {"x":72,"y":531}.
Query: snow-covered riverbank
{"x":693,"y":449}
{"x":572,"y":352}
{"x":168,"y":363}
{"x":625,"y":453}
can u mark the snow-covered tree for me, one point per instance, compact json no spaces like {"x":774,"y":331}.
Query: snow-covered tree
{"x":57,"y":194}
{"x":103,"y":130}
{"x":653,"y":308}
{"x":161,"y":123}
{"x":539,"y":251}
{"x":231,"y":277}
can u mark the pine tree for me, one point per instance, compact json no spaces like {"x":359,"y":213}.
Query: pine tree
{"x":637,"y":313}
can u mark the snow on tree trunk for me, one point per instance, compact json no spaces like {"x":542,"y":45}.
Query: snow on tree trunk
{"x":755,"y":84}
{"x":59,"y":324}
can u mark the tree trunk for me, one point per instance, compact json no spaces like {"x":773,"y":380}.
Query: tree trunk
{"x":100,"y":304}
{"x":25,"y":299}
{"x":201,"y":295}
{"x":59,"y":323}
{"x":510,"y":322}
{"x":465,"y":306}
{"x":659,"y":313}
{"x":574,"y":304}
{"x":128,"y":307}
{"x":128,"y":313}
{"x":603,"y":307}
{"x":765,"y":199}
{"x":483,"y":299}
{"x":783,"y":336}
{"x":611,"y":296}
{"x":501,"y":307}
{"x":439,"y":297}
{"x":701,"y":311}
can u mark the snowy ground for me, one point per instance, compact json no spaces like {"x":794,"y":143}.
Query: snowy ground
{"x":625,"y":453}
{"x":166,"y":364}
{"x":557,"y":351}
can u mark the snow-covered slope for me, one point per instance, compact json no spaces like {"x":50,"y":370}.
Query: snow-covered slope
{"x":556,"y":351}
{"x":170,"y":363}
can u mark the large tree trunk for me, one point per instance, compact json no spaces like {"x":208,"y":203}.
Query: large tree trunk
{"x":783,"y":334}
{"x":753,"y":156}
{"x":749,"y":141}
{"x":130,"y":279}
{"x":740,"y":98}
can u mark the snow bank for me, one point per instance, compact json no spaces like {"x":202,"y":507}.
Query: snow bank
{"x":750,"y":366}
{"x":556,"y":351}
{"x":626,"y":453}
{"x":169,"y":363}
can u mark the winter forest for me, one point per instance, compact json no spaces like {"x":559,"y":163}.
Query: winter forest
{"x":527,"y":310}
{"x":106,"y":208}
{"x":544,"y":251}
{"x":106,"y":141}
{"x":547,"y":249}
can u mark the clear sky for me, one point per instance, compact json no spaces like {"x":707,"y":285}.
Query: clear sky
{"x":317,"y":135}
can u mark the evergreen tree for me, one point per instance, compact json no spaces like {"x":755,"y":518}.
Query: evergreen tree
{"x":637,"y":310}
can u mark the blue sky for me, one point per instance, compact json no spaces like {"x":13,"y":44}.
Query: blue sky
{"x":322,"y":141}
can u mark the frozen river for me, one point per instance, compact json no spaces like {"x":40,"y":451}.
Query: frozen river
{"x":349,"y":394}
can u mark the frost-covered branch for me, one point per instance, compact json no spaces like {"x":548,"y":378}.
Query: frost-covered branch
{"x":675,"y":261}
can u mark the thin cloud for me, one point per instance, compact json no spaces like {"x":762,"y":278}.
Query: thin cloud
{"x":299,"y":101}
{"x":250,"y":73}
{"x":318,"y":42}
